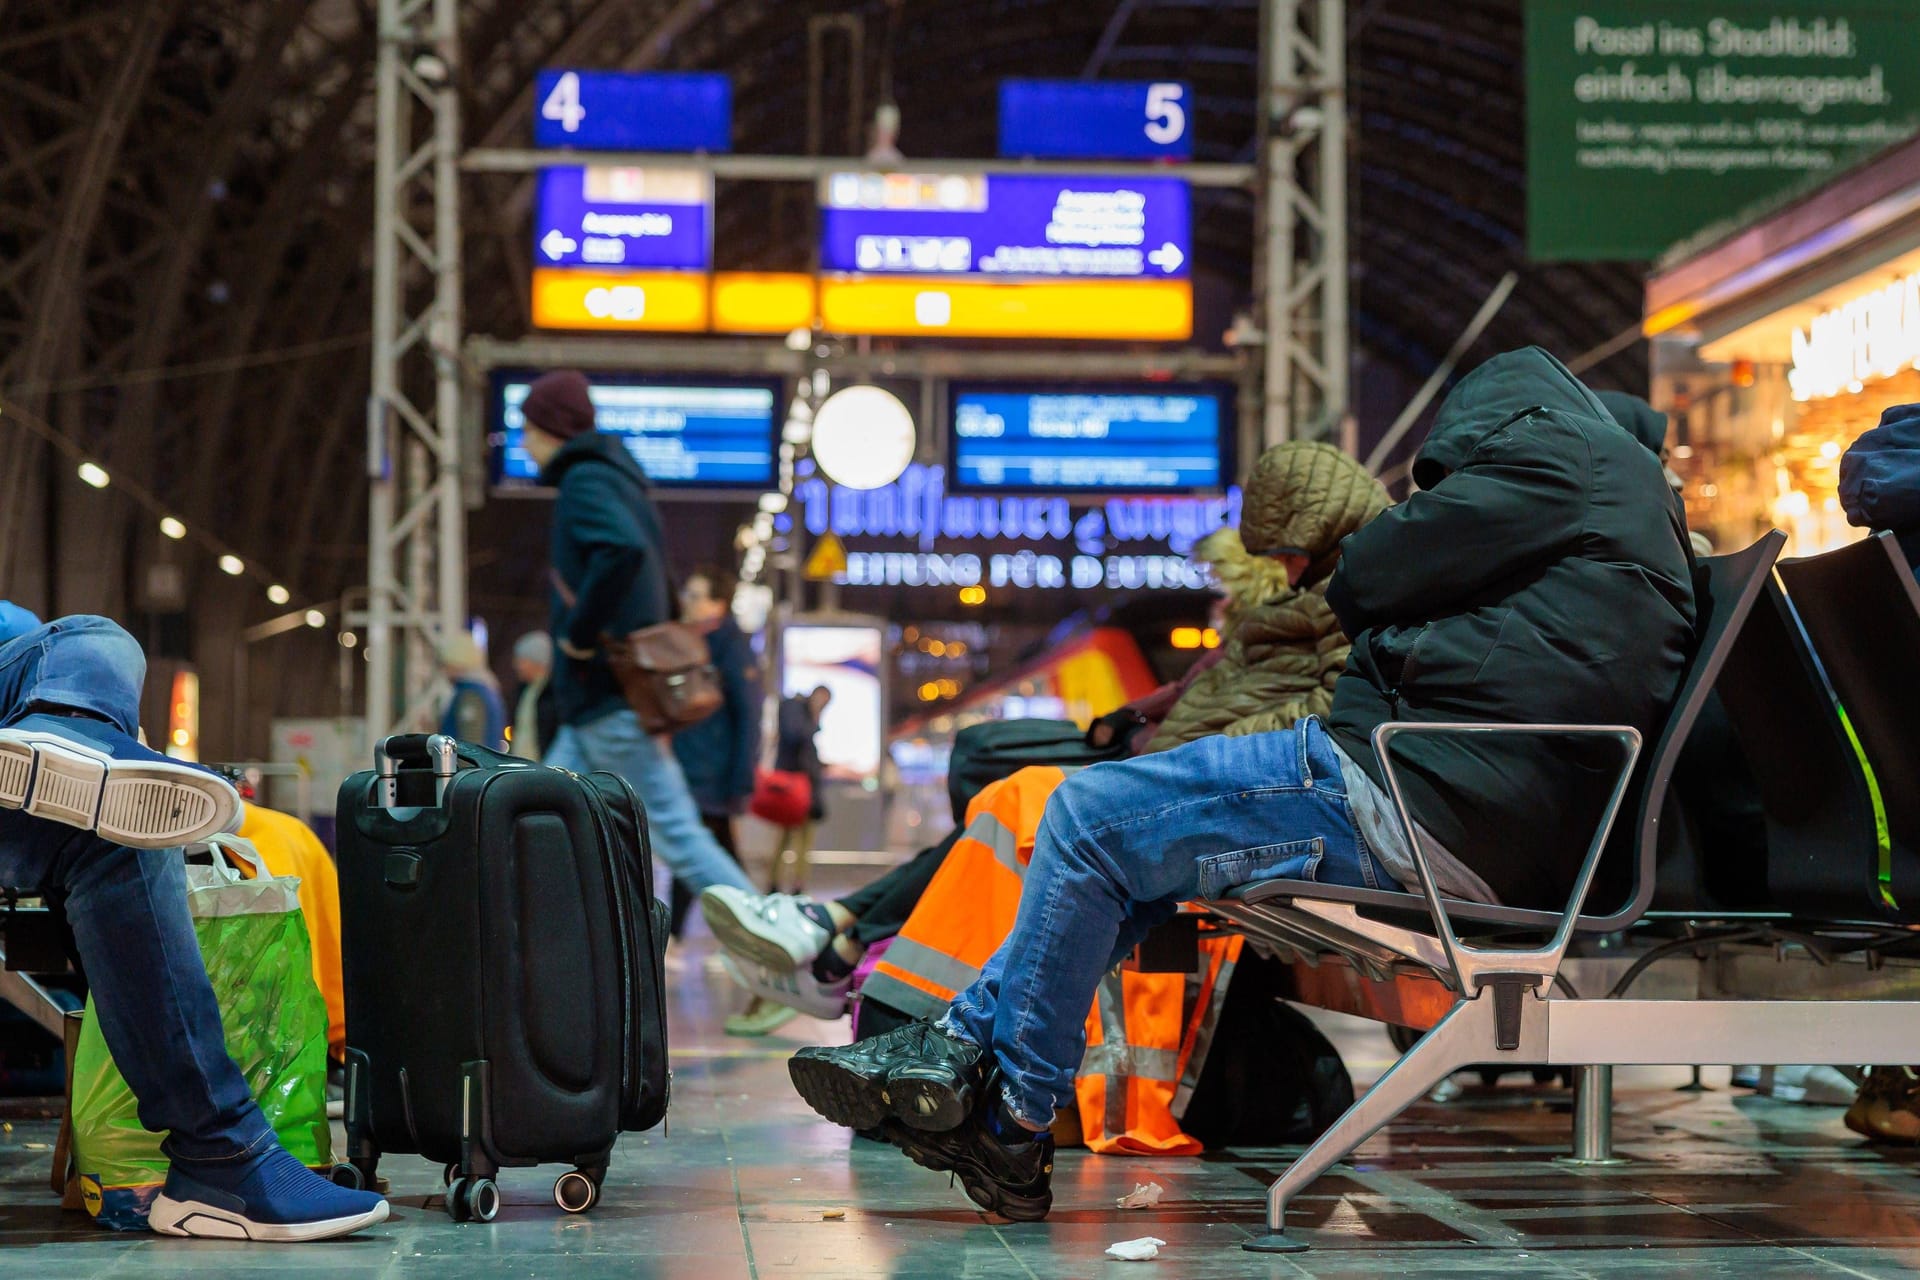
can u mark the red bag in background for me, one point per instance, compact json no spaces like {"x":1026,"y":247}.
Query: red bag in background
{"x":781,"y":796}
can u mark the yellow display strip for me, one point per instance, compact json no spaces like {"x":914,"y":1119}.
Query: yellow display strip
{"x":1137,"y":310}
{"x":628,"y":301}
{"x":762,"y":301}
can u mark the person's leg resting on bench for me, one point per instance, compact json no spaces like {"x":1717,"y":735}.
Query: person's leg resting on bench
{"x":69,"y":699}
{"x":845,"y":928}
{"x":1121,"y":845}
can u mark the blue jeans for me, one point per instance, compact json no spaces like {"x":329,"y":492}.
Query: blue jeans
{"x":1120,"y":846}
{"x":616,"y":743}
{"x":127,"y":907}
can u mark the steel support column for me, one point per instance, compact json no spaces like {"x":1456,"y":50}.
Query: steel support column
{"x":417,"y":563}
{"x":1304,"y":280}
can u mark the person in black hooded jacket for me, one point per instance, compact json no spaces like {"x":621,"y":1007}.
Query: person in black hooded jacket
{"x":1541,"y":576}
{"x":608,"y":578}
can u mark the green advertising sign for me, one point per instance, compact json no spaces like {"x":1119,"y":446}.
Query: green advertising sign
{"x":1648,"y":120}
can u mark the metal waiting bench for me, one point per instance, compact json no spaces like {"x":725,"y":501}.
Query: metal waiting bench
{"x":1708,"y":927}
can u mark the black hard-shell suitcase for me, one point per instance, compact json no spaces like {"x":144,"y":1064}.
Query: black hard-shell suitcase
{"x":502,"y":954}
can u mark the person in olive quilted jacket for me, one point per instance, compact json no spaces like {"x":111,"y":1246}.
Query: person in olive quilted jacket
{"x":1282,"y":648}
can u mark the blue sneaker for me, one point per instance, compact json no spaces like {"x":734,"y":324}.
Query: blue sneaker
{"x":87,"y":774}
{"x":271,"y":1198}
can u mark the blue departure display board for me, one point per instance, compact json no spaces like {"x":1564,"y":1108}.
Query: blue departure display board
{"x":704,"y":433}
{"x":611,"y":218}
{"x":1005,"y":225}
{"x":633,"y":111}
{"x":1096,"y":119}
{"x":1124,"y":438}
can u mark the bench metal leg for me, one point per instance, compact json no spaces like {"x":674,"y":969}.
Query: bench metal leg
{"x":1461,"y":1039}
{"x":30,"y":998}
{"x":1593,"y":1117}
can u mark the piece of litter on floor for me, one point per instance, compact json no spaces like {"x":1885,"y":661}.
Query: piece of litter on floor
{"x":38,"y":1146}
{"x":1145,"y":1195}
{"x":1136,"y":1250}
{"x":834,"y":1215}
{"x":796,"y":1179}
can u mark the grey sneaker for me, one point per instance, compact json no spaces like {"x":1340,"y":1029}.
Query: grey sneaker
{"x":87,"y":774}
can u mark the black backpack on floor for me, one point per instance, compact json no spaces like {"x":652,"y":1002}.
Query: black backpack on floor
{"x":1271,"y":1078}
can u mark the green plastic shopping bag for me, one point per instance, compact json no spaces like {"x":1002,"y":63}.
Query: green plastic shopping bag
{"x":253,"y":940}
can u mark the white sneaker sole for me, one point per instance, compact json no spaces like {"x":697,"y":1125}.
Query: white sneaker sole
{"x":748,"y":936}
{"x":172,"y":1217}
{"x":137,"y":803}
{"x":810,"y":1002}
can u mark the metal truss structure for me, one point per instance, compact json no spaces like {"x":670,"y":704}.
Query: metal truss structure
{"x":417,"y":520}
{"x":1304,"y":273}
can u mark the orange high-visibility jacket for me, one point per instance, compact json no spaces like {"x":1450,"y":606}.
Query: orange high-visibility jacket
{"x":1147,"y":1033}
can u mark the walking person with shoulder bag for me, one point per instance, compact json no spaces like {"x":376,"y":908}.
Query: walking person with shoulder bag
{"x":625,"y":673}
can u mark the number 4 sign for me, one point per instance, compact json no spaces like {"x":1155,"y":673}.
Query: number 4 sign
{"x":563,"y":104}
{"x":633,"y":111}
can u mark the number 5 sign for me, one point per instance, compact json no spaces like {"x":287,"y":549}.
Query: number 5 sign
{"x":1166,"y":118}
{"x":1096,"y":119}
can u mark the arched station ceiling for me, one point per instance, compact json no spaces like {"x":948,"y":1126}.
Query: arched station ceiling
{"x":185,"y":211}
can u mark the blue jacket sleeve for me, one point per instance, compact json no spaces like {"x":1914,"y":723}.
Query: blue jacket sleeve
{"x":612,"y":545}
{"x":1880,"y":473}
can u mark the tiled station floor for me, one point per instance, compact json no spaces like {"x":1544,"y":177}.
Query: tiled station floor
{"x":741,"y":1183}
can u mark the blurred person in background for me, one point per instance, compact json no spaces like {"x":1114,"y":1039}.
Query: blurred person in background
{"x":796,"y":752}
{"x":608,"y":576}
{"x":475,"y":711}
{"x":719,"y":753}
{"x":533,"y":720}
{"x":1880,"y":490}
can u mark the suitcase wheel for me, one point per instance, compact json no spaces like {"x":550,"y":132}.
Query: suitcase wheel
{"x":348,"y":1176}
{"x":448,"y":1174}
{"x":473,"y":1200}
{"x":576,"y":1191}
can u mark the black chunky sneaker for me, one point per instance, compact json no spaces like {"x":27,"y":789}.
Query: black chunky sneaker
{"x":1005,"y":1169}
{"x":917,"y":1074}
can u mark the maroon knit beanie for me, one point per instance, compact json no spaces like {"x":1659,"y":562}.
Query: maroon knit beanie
{"x":558,"y":404}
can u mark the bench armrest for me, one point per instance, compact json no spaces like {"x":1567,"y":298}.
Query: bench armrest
{"x":1470,"y":963}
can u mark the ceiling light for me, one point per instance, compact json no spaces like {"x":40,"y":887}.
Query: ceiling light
{"x":316,"y":619}
{"x":232,"y":566}
{"x":276,"y":593}
{"x":171,"y":528}
{"x":94,"y":474}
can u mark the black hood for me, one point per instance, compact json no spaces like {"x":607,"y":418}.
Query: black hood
{"x":1491,"y":396}
{"x":595,"y":445}
{"x":1643,"y":422}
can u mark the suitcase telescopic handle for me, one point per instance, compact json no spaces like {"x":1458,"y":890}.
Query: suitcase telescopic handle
{"x":389,"y":752}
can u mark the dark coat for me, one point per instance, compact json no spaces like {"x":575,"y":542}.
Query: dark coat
{"x":794,"y":749}
{"x":606,"y":546}
{"x":1880,"y":478}
{"x":1541,"y":575}
{"x":1644,"y":422}
{"x":718,"y":754}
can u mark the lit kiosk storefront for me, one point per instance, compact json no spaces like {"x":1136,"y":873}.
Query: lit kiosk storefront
{"x":1777,"y":343}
